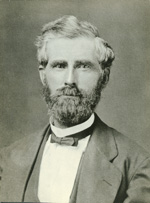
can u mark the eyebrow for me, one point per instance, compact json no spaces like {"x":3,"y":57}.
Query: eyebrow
{"x":84,"y":62}
{"x":54,"y":63}
{"x":78,"y":62}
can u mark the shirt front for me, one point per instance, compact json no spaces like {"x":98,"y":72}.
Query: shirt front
{"x":60,"y":164}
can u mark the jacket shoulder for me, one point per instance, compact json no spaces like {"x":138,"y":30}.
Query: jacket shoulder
{"x":131,"y":156}
{"x":128,"y":147}
{"x":20,"y":152}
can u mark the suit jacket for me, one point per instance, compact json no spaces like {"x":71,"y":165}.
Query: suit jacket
{"x":112,"y":169}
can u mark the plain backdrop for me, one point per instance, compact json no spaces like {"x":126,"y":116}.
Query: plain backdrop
{"x":125,"y":103}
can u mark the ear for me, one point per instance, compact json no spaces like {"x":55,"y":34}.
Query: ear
{"x":105,"y":77}
{"x":42,"y":74}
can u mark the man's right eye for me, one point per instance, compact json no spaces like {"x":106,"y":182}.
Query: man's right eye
{"x":59,"y":66}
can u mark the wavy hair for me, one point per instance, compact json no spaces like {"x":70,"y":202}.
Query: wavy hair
{"x":70,"y":27}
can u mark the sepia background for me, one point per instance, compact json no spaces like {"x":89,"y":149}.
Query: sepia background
{"x":125,"y":103}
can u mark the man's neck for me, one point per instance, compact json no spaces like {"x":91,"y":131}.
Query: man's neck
{"x":65,"y":131}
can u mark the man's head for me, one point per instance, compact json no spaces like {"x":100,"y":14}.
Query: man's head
{"x":74,"y":66}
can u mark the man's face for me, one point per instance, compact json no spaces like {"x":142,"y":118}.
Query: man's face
{"x":72,"y":79}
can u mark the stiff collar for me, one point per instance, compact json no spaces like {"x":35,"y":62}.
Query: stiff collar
{"x":59,"y":132}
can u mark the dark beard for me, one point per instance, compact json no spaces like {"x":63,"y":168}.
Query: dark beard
{"x":74,"y":109}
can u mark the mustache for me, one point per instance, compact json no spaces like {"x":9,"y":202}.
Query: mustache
{"x":69,"y":90}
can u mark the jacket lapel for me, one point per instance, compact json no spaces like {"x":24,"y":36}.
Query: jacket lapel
{"x":31,"y":189}
{"x":99,"y":179}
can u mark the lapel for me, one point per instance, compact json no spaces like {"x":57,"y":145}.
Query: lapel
{"x":99,"y":179}
{"x":31,"y":188}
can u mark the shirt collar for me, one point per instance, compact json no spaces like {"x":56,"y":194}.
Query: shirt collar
{"x":60,"y":132}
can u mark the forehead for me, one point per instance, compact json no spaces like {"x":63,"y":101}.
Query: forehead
{"x":73,"y":49}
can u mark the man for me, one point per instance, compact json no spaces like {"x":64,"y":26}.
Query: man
{"x":77,"y":158}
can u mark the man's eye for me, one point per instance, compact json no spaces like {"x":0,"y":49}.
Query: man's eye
{"x":59,"y":66}
{"x":84,"y":66}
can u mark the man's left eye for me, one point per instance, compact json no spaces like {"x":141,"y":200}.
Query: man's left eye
{"x":84,"y":66}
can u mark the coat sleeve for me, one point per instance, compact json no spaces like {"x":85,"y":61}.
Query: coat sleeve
{"x":139,"y":187}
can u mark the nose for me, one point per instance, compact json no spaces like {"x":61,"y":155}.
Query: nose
{"x":70,"y":77}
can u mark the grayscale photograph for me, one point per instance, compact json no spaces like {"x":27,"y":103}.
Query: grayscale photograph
{"x":75,"y":101}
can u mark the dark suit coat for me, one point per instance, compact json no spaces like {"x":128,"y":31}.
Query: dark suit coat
{"x":112,"y":169}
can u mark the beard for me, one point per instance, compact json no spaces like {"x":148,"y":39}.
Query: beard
{"x":71,"y":106}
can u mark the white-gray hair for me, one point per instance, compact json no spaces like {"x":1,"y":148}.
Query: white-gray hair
{"x":70,"y":27}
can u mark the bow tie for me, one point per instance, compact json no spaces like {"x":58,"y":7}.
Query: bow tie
{"x":71,"y":140}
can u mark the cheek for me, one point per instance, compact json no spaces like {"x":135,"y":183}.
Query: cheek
{"x":53,"y":82}
{"x":88,"y":82}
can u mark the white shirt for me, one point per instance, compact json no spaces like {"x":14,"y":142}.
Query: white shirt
{"x":60,"y":164}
